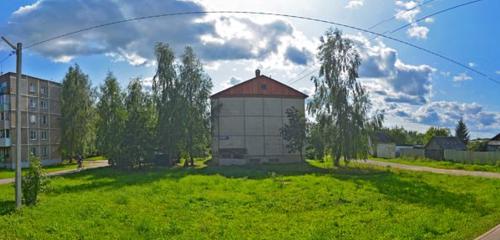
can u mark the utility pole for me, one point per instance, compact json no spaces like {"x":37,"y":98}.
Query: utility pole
{"x":19,"y":59}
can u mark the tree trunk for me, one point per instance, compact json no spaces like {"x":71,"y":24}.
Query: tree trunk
{"x":191,"y":160}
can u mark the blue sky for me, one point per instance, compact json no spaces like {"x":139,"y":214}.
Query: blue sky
{"x":415,"y":89}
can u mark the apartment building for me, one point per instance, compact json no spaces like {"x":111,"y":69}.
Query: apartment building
{"x":40,"y":120}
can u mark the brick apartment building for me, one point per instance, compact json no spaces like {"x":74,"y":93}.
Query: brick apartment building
{"x":40,"y":120}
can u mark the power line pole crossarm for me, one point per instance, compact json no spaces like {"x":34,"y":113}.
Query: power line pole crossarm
{"x":19,"y":54}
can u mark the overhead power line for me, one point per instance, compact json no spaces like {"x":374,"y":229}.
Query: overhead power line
{"x":434,"y":14}
{"x":465,"y":66}
{"x":394,"y":16}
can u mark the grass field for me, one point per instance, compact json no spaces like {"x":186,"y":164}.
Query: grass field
{"x":299,"y":201}
{"x":442,"y":164}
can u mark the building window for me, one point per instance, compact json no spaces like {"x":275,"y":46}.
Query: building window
{"x":32,"y":118}
{"x":33,"y":151}
{"x":32,"y":134}
{"x":43,"y":104}
{"x":44,"y":151}
{"x":43,"y":119}
{"x":43,"y":135}
{"x":4,"y":88}
{"x":5,"y":133}
{"x":32,"y":103}
{"x":43,"y":90}
{"x":263,"y":86}
{"x":4,"y":116}
{"x":32,"y":88}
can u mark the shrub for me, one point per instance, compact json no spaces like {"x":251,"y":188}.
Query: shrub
{"x":34,"y":181}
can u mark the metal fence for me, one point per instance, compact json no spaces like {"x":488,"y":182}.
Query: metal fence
{"x":491,"y":158}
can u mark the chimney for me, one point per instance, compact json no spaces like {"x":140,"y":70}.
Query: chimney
{"x":257,"y":73}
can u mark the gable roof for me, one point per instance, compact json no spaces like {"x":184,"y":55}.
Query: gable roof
{"x":260,"y":86}
{"x":496,"y":138}
{"x":381,"y":137}
{"x":447,"y":143}
{"x":495,"y":141}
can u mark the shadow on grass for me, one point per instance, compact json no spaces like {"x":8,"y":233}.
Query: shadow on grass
{"x":394,"y":186}
{"x":7,"y":207}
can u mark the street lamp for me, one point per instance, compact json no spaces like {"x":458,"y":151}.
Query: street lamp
{"x":19,"y":54}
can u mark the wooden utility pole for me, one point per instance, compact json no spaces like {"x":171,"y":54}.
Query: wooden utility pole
{"x":19,"y":58}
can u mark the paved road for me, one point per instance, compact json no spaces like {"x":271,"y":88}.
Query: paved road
{"x":88,"y":165}
{"x":433,"y":170}
{"x":493,"y":234}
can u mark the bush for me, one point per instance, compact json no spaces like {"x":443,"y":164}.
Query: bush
{"x":34,"y":181}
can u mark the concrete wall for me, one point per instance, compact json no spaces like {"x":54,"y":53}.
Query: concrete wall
{"x":252,"y":123}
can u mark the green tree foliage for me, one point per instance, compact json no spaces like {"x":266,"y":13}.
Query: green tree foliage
{"x":111,"y":121}
{"x":478,"y":145}
{"x":340,"y":102}
{"x":139,"y":128}
{"x":435,"y":132}
{"x":315,"y":148}
{"x":167,"y":98}
{"x":402,"y":136}
{"x":77,"y":114}
{"x":34,"y":181}
{"x":195,"y":91}
{"x":294,"y":132}
{"x":462,"y":132}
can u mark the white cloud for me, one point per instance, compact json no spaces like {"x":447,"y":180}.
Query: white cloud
{"x":472,"y":64}
{"x":398,"y":81}
{"x":354,"y":4}
{"x":429,"y":20}
{"x":498,"y":72}
{"x":462,"y":77}
{"x":417,"y":31}
{"x":213,"y":38}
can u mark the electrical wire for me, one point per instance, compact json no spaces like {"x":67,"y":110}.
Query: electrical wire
{"x":434,"y":14}
{"x":270,"y":14}
{"x":394,"y":16}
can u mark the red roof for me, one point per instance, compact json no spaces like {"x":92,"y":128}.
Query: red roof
{"x":260,"y":86}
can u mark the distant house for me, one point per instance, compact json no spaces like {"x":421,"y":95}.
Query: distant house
{"x":436,"y":146}
{"x":382,"y":145}
{"x":493,"y":144}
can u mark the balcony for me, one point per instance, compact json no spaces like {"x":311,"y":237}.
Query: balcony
{"x":5,"y":142}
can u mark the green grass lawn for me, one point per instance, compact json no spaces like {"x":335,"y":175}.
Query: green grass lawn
{"x":442,"y":164}
{"x":297,"y":201}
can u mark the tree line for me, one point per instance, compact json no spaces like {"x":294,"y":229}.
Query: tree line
{"x":139,"y":125}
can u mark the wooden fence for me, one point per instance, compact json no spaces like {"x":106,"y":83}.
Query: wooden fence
{"x":412,"y":153}
{"x":491,"y":158}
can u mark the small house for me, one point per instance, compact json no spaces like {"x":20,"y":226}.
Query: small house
{"x":436,"y":146}
{"x":382,"y":145}
{"x":493,"y":144}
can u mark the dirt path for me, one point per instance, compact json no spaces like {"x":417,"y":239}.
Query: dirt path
{"x":88,"y":165}
{"x":432,"y":170}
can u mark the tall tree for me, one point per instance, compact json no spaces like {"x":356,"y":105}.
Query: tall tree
{"x":462,"y":132}
{"x":315,"y":148}
{"x":112,"y":117}
{"x":195,"y":89}
{"x":167,"y":99}
{"x":77,"y":116}
{"x":435,"y":132}
{"x":340,"y":102}
{"x":139,"y":127}
{"x":294,"y":132}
